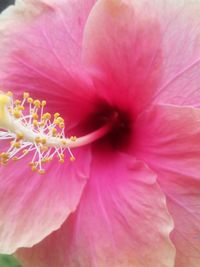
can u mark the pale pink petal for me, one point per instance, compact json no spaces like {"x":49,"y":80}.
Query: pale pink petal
{"x":179,"y":22}
{"x":122,"y":221}
{"x":51,"y":26}
{"x":168,"y":139}
{"x":121,"y":40}
{"x":41,"y":52}
{"x":33,"y":205}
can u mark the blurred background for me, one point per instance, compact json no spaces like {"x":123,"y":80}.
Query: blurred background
{"x":5,"y":3}
{"x":5,"y":260}
{"x":8,"y":261}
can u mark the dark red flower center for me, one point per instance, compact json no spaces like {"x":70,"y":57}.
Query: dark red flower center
{"x":119,"y":136}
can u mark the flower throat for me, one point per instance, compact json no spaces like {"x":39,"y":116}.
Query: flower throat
{"x":28,"y":129}
{"x":118,"y":138}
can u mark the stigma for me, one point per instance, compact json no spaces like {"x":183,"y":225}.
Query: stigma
{"x":28,"y":129}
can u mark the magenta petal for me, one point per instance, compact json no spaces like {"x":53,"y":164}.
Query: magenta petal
{"x":123,"y":40}
{"x":122,"y":221}
{"x":168,"y":139}
{"x":33,"y":205}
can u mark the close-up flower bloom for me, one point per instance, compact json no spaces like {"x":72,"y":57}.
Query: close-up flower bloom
{"x":100,"y":133}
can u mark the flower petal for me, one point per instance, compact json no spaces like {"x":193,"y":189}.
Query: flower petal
{"x":179,"y":22}
{"x":41,"y":52}
{"x":168,"y":139}
{"x":33,"y":205}
{"x":50,"y":25}
{"x":149,"y":60}
{"x":121,"y":221}
{"x":121,"y":39}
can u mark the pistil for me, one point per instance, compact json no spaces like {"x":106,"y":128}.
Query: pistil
{"x":30,"y":130}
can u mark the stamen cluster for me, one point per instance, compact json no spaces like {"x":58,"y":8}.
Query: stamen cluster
{"x":31,"y":130}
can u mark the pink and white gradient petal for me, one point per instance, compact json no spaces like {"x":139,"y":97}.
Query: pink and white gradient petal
{"x":180,"y":29}
{"x":121,"y":221}
{"x":41,"y":47}
{"x":167,"y":138}
{"x":122,"y":40}
{"x":34,"y":205}
{"x":60,"y":25}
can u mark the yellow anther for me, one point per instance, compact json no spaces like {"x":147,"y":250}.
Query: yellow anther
{"x":20,"y":136}
{"x":35,"y":123}
{"x":44,"y":103}
{"x":64,"y":142}
{"x":15,"y":158}
{"x":72,"y":158}
{"x":41,"y":171}
{"x":30,"y":100}
{"x":35,"y":116}
{"x":37,"y":103}
{"x":34,"y":168}
{"x":9,"y":93}
{"x":44,"y":160}
{"x":56,"y":115}
{"x":58,"y":120}
{"x":42,"y":123}
{"x":3,"y":161}
{"x":16,"y":144}
{"x":49,"y":159}
{"x":73,"y":138}
{"x":43,"y":141}
{"x":4,"y":155}
{"x":61,"y":158}
{"x":17,"y":102}
{"x":17,"y":113}
{"x":61,"y":125}
{"x":54,"y":132}
{"x":25,"y":95}
{"x":37,"y":139}
{"x":46,"y":116}
{"x":20,"y":107}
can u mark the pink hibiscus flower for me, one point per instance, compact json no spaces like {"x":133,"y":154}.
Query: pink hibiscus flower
{"x":124,"y":75}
